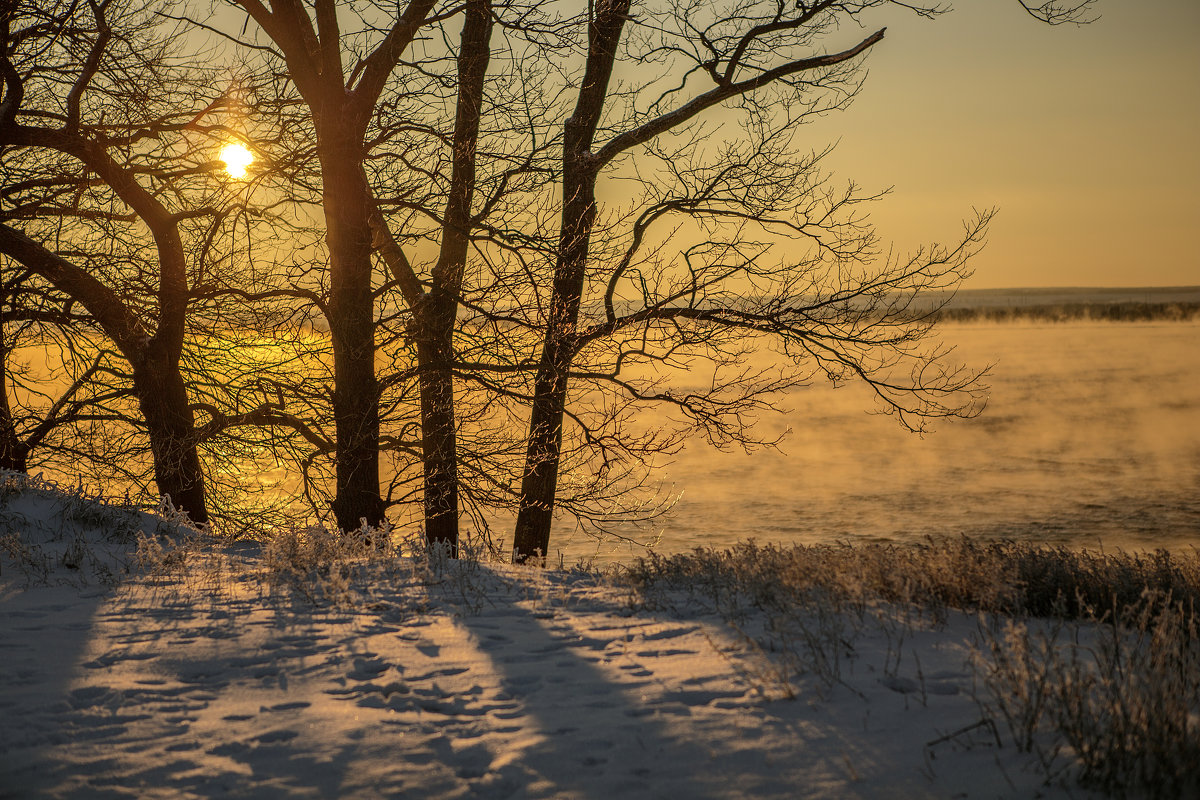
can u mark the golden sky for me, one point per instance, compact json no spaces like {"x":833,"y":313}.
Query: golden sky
{"x":1086,"y":138}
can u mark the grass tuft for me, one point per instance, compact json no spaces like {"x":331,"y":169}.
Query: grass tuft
{"x":1089,"y":660}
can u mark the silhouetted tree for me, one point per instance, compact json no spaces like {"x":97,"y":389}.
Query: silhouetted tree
{"x":340,"y":89}
{"x":89,"y":86}
{"x":34,"y":417}
{"x":435,"y":312}
{"x":404,"y":122}
{"x":621,"y":318}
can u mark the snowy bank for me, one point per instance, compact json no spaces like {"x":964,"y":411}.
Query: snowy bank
{"x":256,"y":673}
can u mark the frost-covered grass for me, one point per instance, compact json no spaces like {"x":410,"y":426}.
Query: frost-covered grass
{"x":1001,"y":577}
{"x":1083,"y":666}
{"x":1089,"y":660}
{"x":53,"y":534}
{"x":1119,"y":697}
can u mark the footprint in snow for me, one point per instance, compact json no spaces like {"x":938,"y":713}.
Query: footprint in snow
{"x":117,"y":656}
{"x":286,"y":706}
{"x":444,"y":672}
{"x":372,"y":695}
{"x":670,"y":633}
{"x":91,"y":696}
{"x":366,"y":669}
{"x":662,"y":653}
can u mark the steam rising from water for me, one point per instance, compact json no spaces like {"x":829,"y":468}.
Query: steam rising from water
{"x":1091,"y":438}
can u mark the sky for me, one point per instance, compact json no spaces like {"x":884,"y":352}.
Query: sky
{"x":1087,"y":139}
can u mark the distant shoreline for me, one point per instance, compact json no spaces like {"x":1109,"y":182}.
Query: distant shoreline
{"x":1061,"y":295}
{"x":1071,"y":304}
{"x":1074,"y":312}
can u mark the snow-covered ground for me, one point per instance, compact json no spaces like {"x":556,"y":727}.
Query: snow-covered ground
{"x":450,"y":680}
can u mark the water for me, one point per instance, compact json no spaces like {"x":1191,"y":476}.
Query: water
{"x":1091,"y":438}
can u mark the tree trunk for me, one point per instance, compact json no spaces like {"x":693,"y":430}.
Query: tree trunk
{"x":352,"y":334}
{"x":539,"y":484}
{"x":162,"y":396}
{"x":438,"y":441}
{"x":540,"y":481}
{"x":13,"y":452}
{"x":437,"y":314}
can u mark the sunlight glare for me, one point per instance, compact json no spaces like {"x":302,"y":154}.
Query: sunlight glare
{"x":236,"y":158}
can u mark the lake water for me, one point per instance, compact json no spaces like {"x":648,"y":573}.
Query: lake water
{"x":1091,"y":437}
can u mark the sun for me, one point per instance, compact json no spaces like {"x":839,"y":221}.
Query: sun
{"x":236,"y":158}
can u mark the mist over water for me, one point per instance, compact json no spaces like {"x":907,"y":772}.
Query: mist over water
{"x":1091,"y":438}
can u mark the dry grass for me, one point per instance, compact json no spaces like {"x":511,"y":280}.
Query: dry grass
{"x":1117,"y":701}
{"x":85,"y":540}
{"x":1090,"y":660}
{"x":1000,"y":577}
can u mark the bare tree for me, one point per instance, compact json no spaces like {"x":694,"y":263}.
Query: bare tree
{"x":80,"y":89}
{"x":832,"y":306}
{"x":434,"y":313}
{"x":404,"y":120}
{"x":340,"y":87}
{"x":36,"y":326}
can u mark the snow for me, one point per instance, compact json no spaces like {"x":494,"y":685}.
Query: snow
{"x":467,"y":680}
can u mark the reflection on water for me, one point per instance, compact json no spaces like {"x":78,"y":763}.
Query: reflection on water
{"x":1091,"y":438}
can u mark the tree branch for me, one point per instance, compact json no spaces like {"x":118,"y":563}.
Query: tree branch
{"x":719,"y":94}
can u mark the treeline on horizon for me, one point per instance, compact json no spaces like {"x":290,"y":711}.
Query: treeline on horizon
{"x":1075,"y":312}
